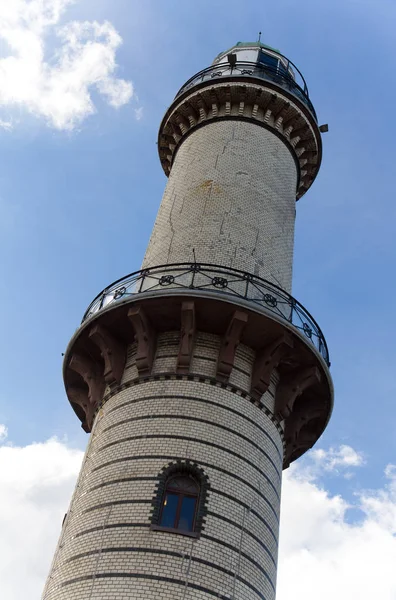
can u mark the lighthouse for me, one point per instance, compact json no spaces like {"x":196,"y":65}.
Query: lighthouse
{"x":199,"y":377}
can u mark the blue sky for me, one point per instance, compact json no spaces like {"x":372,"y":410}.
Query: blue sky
{"x":78,"y":203}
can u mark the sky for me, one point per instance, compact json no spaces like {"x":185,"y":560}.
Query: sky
{"x":83,"y":87}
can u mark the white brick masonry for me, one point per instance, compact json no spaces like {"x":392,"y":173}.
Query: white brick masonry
{"x":231,"y":195}
{"x":107,"y":550}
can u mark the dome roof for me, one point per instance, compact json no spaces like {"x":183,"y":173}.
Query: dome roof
{"x":249,"y":45}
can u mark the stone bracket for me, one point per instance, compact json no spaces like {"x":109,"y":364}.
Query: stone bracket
{"x":202,"y":107}
{"x":280,"y":114}
{"x":112,"y":351}
{"x":229,"y":345}
{"x":183,"y":123}
{"x":299,"y":131}
{"x":296,"y":438}
{"x":146,"y":340}
{"x":187,"y":338}
{"x":79,"y":396}
{"x":292,"y":387}
{"x":266,"y":361}
{"x":91,"y":372}
{"x":301,"y":417}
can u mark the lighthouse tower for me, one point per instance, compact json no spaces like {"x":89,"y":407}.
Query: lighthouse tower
{"x":200,"y":377}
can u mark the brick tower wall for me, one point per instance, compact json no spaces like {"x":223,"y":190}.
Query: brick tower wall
{"x":108,"y":550}
{"x":188,"y":378}
{"x":231,"y":195}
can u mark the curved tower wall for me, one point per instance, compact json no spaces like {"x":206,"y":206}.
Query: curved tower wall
{"x":140,"y":430}
{"x":196,"y":369}
{"x":231,"y":196}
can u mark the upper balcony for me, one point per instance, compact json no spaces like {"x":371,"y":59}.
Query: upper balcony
{"x":254,"y":61}
{"x":254,"y":83}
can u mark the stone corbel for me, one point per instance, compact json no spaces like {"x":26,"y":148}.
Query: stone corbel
{"x":192,"y":116}
{"x":300,"y":145}
{"x":268,"y":106}
{"x":300,"y":417}
{"x":169,"y":139}
{"x":146,"y":340}
{"x":79,"y":396}
{"x":187,"y":337}
{"x":176,"y":132}
{"x":308,"y":155}
{"x":256,"y":103}
{"x":214,"y":103}
{"x":297,"y":435}
{"x":165,"y":162}
{"x":164,"y":149}
{"x":228,"y":101}
{"x":229,"y":345}
{"x":266,"y":361}
{"x":282,"y":111}
{"x":91,"y":372}
{"x":183,"y":123}
{"x":289,"y":389}
{"x":242,"y":99}
{"x":202,"y":107}
{"x":299,"y":131}
{"x":112,"y":351}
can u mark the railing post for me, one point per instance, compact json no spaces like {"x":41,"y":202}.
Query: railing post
{"x":102,"y":300}
{"x":291,"y":312}
{"x":142,"y":280}
{"x":247,"y":285}
{"x":193,"y":275}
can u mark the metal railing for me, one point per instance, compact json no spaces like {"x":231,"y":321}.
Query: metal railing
{"x":279,"y":75}
{"x":216,"y":280}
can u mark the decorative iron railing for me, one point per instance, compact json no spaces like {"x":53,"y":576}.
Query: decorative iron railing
{"x":214,"y":279}
{"x":278,"y":75}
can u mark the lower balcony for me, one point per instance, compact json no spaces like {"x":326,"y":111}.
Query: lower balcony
{"x":214,"y":279}
{"x":238,"y":310}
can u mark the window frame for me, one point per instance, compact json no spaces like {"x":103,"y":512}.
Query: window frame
{"x":274,"y":67}
{"x":180,"y":497}
{"x":181,"y":468}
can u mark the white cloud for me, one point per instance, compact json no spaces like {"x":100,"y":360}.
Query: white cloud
{"x":56,"y":83}
{"x":36,"y":483}
{"x":139,"y":113}
{"x":3,"y":432}
{"x":6,"y":125}
{"x":334,"y":460}
{"x":344,"y":456}
{"x":324,"y":556}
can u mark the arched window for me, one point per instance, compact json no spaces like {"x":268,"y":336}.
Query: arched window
{"x":180,"y":499}
{"x":180,"y":502}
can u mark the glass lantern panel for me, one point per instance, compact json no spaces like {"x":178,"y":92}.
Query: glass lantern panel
{"x":268,"y":61}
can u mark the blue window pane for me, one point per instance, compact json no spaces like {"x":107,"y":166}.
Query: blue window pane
{"x":268,"y":60}
{"x":186,"y":520}
{"x":169,"y":509}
